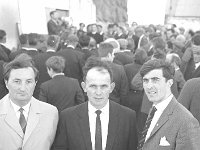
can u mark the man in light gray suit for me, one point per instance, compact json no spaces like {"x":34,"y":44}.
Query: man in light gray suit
{"x":171,"y":126}
{"x":25,"y":122}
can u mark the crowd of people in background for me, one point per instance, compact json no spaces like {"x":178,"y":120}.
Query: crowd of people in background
{"x":61,"y":56}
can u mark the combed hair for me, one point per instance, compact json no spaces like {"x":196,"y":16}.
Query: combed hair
{"x":95,"y":62}
{"x":57,"y":63}
{"x":21,"y":61}
{"x":168,"y":70}
{"x":104,"y":49}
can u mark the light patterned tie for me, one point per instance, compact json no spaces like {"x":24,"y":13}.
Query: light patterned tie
{"x":98,"y":134}
{"x":146,"y":127}
{"x":22,"y":120}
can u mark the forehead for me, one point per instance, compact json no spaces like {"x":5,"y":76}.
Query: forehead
{"x":22,"y":73}
{"x":154,"y":73}
{"x":98,"y":75}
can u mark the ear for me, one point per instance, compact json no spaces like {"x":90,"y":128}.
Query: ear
{"x":6,"y":83}
{"x":170,"y":82}
{"x":83,"y":85}
{"x":112,"y":87}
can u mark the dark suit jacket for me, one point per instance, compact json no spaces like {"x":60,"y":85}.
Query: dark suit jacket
{"x":119,"y":94}
{"x":190,"y":97}
{"x":125,"y":57}
{"x":40,"y":65}
{"x":134,"y":97}
{"x":3,"y":89}
{"x":178,"y":127}
{"x":73,"y":64}
{"x":4,"y":53}
{"x":62,"y":92}
{"x":53,"y":28}
{"x":73,"y":131}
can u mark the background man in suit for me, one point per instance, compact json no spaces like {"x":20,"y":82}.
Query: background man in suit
{"x":119,"y":93}
{"x":25,"y":122}
{"x":190,"y":97}
{"x":76,"y":129}
{"x":52,"y":45}
{"x":60,"y":91}
{"x":171,"y":126}
{"x":53,"y":25}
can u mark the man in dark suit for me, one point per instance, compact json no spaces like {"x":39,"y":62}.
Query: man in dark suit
{"x":190,"y":97}
{"x":169,"y":125}
{"x":115,"y":127}
{"x":134,"y":97}
{"x":53,"y":25}
{"x":3,"y":89}
{"x":4,"y":51}
{"x":119,"y":93}
{"x":52,"y":45}
{"x":74,"y":59}
{"x":60,"y":91}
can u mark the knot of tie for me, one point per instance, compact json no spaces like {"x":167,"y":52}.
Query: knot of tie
{"x":98,"y":112}
{"x":21,"y":110}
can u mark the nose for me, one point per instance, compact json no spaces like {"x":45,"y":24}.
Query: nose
{"x":149,"y":84}
{"x":22,"y":86}
{"x":98,"y":91}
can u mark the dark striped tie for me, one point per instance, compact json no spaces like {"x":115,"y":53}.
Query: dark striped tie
{"x":22,"y":120}
{"x":146,"y":127}
{"x":98,"y":134}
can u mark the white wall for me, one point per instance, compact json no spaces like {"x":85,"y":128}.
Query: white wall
{"x":9,"y":16}
{"x":146,"y":12}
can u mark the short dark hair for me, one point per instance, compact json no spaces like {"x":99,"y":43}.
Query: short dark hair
{"x":196,"y":39}
{"x":2,"y":34}
{"x":21,"y":61}
{"x":95,"y":62}
{"x":104,"y":49}
{"x":52,"y":12}
{"x":167,"y":68}
{"x":57,"y":63}
{"x":23,"y":38}
{"x":52,"y":40}
{"x":140,"y":56}
{"x":33,"y":39}
{"x":84,"y":40}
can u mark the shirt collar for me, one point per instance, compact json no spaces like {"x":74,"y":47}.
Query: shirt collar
{"x":28,"y":49}
{"x":57,"y":74}
{"x":16,"y":107}
{"x":50,"y":50}
{"x":104,"y":110}
{"x":71,"y":46}
{"x":162,"y":105}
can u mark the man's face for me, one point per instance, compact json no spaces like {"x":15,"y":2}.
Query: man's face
{"x":21,"y":84}
{"x":94,"y":28}
{"x":98,"y":87}
{"x":156,"y":87}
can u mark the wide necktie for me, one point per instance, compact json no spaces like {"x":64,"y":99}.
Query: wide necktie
{"x":98,"y":134}
{"x":146,"y":127}
{"x":22,"y":120}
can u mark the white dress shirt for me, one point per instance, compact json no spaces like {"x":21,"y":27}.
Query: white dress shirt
{"x":160,"y":108}
{"x":17,"y":112}
{"x":104,"y":116}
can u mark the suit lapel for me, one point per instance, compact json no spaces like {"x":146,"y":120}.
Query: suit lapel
{"x":84,"y":125}
{"x":164,"y":117}
{"x":33,"y":119}
{"x":112,"y":126}
{"x":10,"y":118}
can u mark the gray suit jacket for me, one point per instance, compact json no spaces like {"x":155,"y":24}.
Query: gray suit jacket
{"x":176,"y":129}
{"x":40,"y":129}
